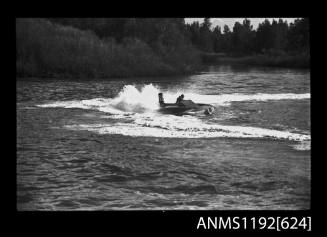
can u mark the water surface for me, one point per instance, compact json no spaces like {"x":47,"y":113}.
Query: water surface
{"x":103,"y":144}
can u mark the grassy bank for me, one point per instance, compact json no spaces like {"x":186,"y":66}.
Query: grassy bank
{"x":45,"y":49}
{"x":285,"y":60}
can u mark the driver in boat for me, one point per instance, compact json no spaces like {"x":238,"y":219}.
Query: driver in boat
{"x":180,"y":99}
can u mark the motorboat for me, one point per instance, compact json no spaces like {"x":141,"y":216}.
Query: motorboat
{"x":184,"y":106}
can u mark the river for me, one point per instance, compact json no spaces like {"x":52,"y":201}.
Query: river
{"x":103,"y":144}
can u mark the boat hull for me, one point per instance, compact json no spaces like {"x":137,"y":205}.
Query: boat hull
{"x":179,"y":109}
{"x":183,"y":107}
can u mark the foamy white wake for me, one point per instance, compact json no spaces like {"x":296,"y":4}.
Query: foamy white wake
{"x":140,"y":107}
{"x":129,"y":129}
{"x":225,"y":99}
{"x":130,"y":99}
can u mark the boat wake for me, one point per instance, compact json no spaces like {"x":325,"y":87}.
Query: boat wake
{"x":134,"y":112}
{"x":130,"y":99}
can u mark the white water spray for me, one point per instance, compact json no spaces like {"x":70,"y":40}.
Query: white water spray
{"x":140,"y":106}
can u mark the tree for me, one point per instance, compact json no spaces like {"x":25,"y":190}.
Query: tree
{"x":217,"y":39}
{"x":264,"y":35}
{"x":205,"y":36}
{"x":242,"y":37}
{"x":298,"y":36}
{"x":226,"y":29}
{"x":226,"y":40}
{"x":207,"y":23}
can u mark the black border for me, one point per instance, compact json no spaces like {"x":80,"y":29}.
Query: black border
{"x":95,"y":222}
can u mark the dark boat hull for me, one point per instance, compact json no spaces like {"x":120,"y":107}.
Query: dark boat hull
{"x":183,"y":106}
{"x":179,"y":109}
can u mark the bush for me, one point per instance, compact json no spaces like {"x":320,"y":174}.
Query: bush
{"x":45,"y":49}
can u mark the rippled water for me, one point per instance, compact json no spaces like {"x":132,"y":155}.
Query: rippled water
{"x":103,"y":145}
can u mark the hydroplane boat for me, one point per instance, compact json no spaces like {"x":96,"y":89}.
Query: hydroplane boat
{"x":184,"y":106}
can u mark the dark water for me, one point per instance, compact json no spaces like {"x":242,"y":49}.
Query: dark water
{"x":95,"y":145}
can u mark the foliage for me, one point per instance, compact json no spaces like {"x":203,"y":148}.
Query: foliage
{"x":122,"y":47}
{"x":277,"y":36}
{"x":45,"y":49}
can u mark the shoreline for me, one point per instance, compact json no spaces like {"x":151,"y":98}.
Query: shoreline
{"x":249,"y":61}
{"x":282,"y":61}
{"x":79,"y":77}
{"x":49,"y":50}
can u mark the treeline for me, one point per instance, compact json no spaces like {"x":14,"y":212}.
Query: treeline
{"x":124,"y":47}
{"x":277,"y":37}
{"x":103,"y":48}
